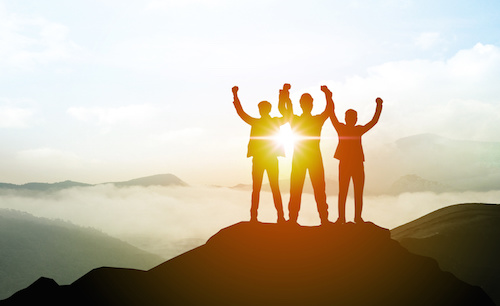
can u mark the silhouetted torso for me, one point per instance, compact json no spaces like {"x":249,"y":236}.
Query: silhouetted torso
{"x":263,"y":138}
{"x":307,"y":129}
{"x":349,"y":147}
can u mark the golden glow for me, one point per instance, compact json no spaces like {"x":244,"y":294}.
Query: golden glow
{"x":287,"y":138}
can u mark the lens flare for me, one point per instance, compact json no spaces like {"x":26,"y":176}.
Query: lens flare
{"x":287,"y":138}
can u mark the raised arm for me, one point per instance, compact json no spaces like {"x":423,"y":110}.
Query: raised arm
{"x":376,"y":116}
{"x":329,"y":108}
{"x":239,"y":108}
{"x":285,"y":104}
{"x":333,"y":117}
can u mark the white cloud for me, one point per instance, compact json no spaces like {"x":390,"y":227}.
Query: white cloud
{"x":156,"y":218}
{"x":168,"y":4}
{"x":49,"y":157}
{"x":479,"y":65}
{"x":26,"y":41}
{"x":134,"y":115}
{"x":186,"y":136}
{"x":428,"y":40}
{"x":16,"y":117}
{"x":457,"y":98}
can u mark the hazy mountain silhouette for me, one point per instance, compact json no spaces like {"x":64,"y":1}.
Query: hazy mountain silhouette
{"x":154,"y":180}
{"x":406,"y":183}
{"x":44,"y":186}
{"x":31,"y":247}
{"x":270,"y":264}
{"x":414,"y":183}
{"x":464,"y":239}
{"x":462,"y":164}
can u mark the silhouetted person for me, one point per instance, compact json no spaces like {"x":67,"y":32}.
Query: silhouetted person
{"x":265,"y":150}
{"x":351,"y":158}
{"x":306,"y":154}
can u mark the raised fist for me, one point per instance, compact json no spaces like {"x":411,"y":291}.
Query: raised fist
{"x":286,"y":87}
{"x":325,"y":89}
{"x":235,"y":89}
{"x":379,"y":101}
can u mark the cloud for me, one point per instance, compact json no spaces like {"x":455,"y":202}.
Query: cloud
{"x":16,"y":117}
{"x":457,"y":97}
{"x":428,"y":40}
{"x":132,"y":115}
{"x":183,"y":136}
{"x":26,"y":41}
{"x":160,"y":219}
{"x":50,"y":158}
{"x":168,"y":4}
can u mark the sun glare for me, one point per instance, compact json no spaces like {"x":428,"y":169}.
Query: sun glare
{"x":287,"y":138}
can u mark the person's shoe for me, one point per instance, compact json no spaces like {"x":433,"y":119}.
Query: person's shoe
{"x":292,"y":222}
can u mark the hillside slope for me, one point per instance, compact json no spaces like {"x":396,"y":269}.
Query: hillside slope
{"x":464,"y":239}
{"x":31,"y":247}
{"x":270,"y":264}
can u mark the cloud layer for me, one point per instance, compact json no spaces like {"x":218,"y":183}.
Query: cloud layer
{"x":170,"y":220}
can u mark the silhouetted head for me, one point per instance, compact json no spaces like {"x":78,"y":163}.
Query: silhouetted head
{"x":351,"y":117}
{"x":264,"y":108}
{"x":306,"y":103}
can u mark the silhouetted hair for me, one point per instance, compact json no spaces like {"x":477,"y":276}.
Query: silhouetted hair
{"x":351,"y":116}
{"x":306,"y":98}
{"x":306,"y":102}
{"x":265,"y":107}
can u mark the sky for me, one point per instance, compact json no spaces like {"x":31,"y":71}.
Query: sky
{"x":98,"y":91}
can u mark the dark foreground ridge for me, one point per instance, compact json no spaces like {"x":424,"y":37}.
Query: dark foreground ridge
{"x":270,"y":264}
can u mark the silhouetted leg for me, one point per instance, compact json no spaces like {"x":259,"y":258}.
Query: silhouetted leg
{"x":273,"y":175}
{"x":296,"y":184}
{"x":257,"y":175}
{"x":344,"y":177}
{"x":317,"y":174}
{"x":358,"y":180}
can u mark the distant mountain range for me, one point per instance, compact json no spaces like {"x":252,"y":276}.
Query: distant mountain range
{"x":154,"y":180}
{"x":414,"y":183}
{"x":406,"y":183}
{"x":464,"y":239}
{"x":423,"y":163}
{"x":460,"y":164}
{"x":31,"y":246}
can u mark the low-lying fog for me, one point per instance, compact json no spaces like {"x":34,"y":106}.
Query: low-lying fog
{"x":170,"y":220}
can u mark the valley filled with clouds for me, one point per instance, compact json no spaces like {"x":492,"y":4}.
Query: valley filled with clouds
{"x":171,"y":220}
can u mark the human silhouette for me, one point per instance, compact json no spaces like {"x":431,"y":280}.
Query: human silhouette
{"x":351,"y":158}
{"x":264,"y":150}
{"x":306,"y":154}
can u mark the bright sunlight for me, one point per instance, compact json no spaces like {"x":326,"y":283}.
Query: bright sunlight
{"x":287,"y":138}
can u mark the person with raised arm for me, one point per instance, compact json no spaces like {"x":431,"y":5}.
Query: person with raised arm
{"x":351,"y":158}
{"x":264,"y":150}
{"x":306,"y":154}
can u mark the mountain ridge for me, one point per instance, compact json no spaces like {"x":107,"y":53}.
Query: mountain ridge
{"x":271,"y":264}
{"x":166,"y":179}
{"x":463,"y":239}
{"x":32,"y":246}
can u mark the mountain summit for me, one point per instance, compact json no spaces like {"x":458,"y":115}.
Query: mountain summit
{"x":270,"y":264}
